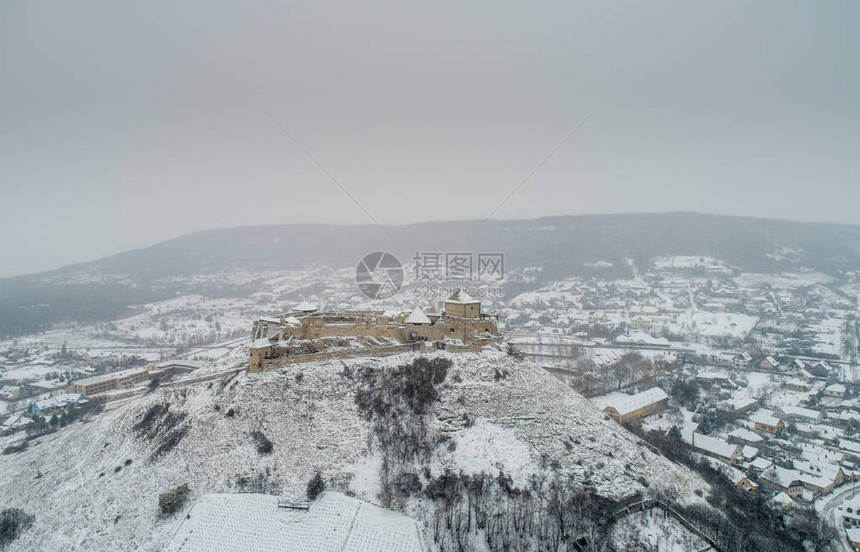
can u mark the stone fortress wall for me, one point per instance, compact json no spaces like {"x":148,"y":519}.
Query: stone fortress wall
{"x":458,"y":325}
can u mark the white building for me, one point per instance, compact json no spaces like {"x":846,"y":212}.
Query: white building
{"x":256,"y":523}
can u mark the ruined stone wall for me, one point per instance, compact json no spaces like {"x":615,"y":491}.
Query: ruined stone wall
{"x":373,"y":324}
{"x":328,"y":355}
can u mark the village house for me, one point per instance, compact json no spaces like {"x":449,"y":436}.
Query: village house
{"x":736,"y":476}
{"x":742,"y":404}
{"x":835,"y":390}
{"x":631,"y":408}
{"x":749,"y":453}
{"x":796,"y":384}
{"x":740,"y":480}
{"x":800,"y":414}
{"x":820,"y":369}
{"x":717,"y":448}
{"x":784,"y":480}
{"x":851,"y":512}
{"x":781,"y":501}
{"x":57,"y":402}
{"x":759,"y":465}
{"x":767,"y":423}
{"x":769,"y":363}
{"x":816,"y":484}
{"x":642,"y":339}
{"x":832,"y":474}
{"x":853,"y":537}
{"x":741,"y":360}
{"x":10,"y":392}
{"x":15,"y":422}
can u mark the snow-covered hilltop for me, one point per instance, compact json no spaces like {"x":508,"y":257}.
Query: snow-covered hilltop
{"x":96,"y":485}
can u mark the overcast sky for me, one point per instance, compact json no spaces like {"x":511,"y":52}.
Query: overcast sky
{"x":123,"y":124}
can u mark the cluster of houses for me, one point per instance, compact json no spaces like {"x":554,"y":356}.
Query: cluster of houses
{"x":702,"y":304}
{"x":802,"y":452}
{"x":798,"y":443}
{"x":103,"y":388}
{"x":803,"y":447}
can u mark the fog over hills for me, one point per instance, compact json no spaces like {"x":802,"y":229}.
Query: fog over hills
{"x":562,"y":246}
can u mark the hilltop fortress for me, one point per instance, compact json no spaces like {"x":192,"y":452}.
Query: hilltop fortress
{"x":306,"y":334}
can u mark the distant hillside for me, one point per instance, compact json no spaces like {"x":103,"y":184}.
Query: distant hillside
{"x":563,"y":246}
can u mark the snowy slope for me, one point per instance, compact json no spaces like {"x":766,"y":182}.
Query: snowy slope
{"x":86,"y":495}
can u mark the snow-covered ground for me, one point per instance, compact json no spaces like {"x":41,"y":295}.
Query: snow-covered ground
{"x":95,"y":486}
{"x":654,"y":529}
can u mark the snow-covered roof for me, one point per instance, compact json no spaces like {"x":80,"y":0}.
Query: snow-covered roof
{"x":255,"y":523}
{"x":735,"y":475}
{"x":740,"y":403}
{"x":764,"y":419}
{"x":749,"y":452}
{"x":107,"y":377}
{"x":781,"y":476}
{"x":815,"y":480}
{"x":823,"y":364}
{"x":714,"y":445}
{"x":761,"y":463}
{"x":417,"y":317}
{"x":9,"y":390}
{"x":746,"y":435}
{"x":627,"y":404}
{"x":642,"y":338}
{"x":781,"y":499}
{"x":801,"y":412}
{"x":58,"y":401}
{"x":305,"y":307}
{"x":193,"y":364}
{"x":820,"y":469}
{"x":835,"y":388}
{"x":802,"y":373}
{"x":17,"y":420}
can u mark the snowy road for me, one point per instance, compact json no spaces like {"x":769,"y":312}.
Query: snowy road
{"x":831,"y":514}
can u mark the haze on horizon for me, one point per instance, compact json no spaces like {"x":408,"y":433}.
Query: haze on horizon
{"x":124,"y":125}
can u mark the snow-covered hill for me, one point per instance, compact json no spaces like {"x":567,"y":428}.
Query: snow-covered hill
{"x":95,"y":486}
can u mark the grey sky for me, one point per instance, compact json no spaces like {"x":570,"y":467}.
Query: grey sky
{"x":122,"y":125}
